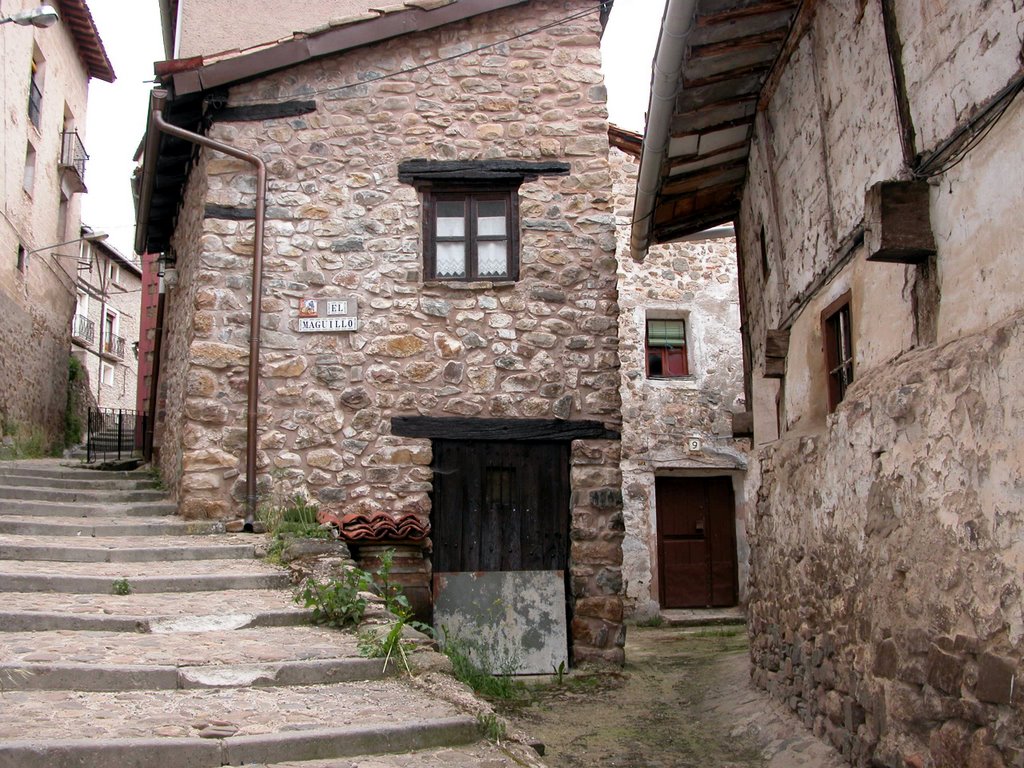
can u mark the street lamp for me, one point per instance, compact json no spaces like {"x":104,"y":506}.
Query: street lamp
{"x":42,"y":17}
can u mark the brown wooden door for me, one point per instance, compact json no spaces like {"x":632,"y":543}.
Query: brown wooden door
{"x":696,"y":541}
{"x":500,"y":506}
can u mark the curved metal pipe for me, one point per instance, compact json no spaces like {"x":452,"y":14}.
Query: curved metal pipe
{"x":158,"y":99}
{"x":675,"y":27}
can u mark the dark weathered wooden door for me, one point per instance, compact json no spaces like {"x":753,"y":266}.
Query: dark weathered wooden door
{"x":500,"y":506}
{"x":696,"y":541}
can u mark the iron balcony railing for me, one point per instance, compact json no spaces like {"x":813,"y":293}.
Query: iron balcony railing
{"x":113,"y":346}
{"x":83,"y":329}
{"x":72,"y":152}
{"x":114,"y":433}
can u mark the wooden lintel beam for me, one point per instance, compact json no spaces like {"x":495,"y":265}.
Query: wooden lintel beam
{"x":459,"y":428}
{"x":743,"y":10}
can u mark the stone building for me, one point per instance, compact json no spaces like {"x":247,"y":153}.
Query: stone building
{"x":43,"y":97}
{"x":105,"y":328}
{"x":682,"y":470}
{"x":871,"y":159}
{"x":437,"y":334}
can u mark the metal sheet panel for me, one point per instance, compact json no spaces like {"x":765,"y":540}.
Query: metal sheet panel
{"x":510,"y":622}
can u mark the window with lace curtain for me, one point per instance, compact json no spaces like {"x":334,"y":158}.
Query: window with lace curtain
{"x":471,"y":234}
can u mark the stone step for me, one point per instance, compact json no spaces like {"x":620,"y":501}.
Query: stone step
{"x":140,"y":729}
{"x":156,"y":612}
{"x":55,"y":468}
{"x":106,"y":526}
{"x":124,"y":549}
{"x":89,"y":508}
{"x":77,"y":495}
{"x":91,"y":481}
{"x":195,"y":646}
{"x":195,"y":576}
{"x":190,"y":657}
{"x":481,"y":753}
{"x":70,"y":676}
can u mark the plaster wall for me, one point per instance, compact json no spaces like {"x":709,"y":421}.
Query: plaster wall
{"x":341,"y":224}
{"x":885,"y":541}
{"x":123,"y":297}
{"x":694,"y":280}
{"x":213,"y":26}
{"x":38,"y":302}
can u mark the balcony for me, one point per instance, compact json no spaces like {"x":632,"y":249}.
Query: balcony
{"x":83,"y":330}
{"x":72,"y":159}
{"x":113,"y":347}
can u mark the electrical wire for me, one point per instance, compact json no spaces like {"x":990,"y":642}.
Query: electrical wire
{"x":960,"y":145}
{"x":425,"y":65}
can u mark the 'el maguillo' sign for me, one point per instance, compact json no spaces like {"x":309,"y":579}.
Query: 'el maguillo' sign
{"x":327,"y":315}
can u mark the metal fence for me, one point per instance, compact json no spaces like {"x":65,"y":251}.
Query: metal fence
{"x":114,"y":433}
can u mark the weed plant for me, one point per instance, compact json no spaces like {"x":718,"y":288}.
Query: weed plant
{"x":336,"y":602}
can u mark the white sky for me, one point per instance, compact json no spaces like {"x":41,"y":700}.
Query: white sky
{"x":117,"y":112}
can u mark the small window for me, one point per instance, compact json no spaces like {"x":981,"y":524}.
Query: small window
{"x":666,"y":349}
{"x":107,"y":374}
{"x":22,"y":259}
{"x":28,"y":179}
{"x":113,"y":273}
{"x":35,"y":92}
{"x":837,"y":332}
{"x":471,"y":235}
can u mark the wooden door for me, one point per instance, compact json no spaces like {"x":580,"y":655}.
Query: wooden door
{"x":500,"y":506}
{"x":696,"y":542}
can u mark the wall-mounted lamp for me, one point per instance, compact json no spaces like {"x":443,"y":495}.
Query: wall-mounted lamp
{"x":42,"y":17}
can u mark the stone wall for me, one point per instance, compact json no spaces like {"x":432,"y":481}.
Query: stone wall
{"x":342,"y":225}
{"x":37,"y":302}
{"x":885,"y":599}
{"x":907,"y":653}
{"x":697,"y":281}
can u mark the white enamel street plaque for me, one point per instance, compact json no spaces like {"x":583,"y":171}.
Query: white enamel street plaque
{"x":327,"y":315}
{"x":328,"y":324}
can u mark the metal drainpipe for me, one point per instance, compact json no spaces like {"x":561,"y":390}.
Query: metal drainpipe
{"x":158,"y":100}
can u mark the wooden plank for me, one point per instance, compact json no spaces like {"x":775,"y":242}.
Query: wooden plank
{"x":256,"y":112}
{"x":897,"y":222}
{"x":419,"y":171}
{"x":743,"y":424}
{"x":776,"y":348}
{"x":441,"y":427}
{"x":720,"y":11}
{"x":894,"y":49}
{"x":230,"y":212}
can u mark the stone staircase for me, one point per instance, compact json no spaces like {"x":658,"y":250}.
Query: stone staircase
{"x":206,"y":662}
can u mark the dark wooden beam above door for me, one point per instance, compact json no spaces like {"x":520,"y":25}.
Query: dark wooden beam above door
{"x":458,"y":428}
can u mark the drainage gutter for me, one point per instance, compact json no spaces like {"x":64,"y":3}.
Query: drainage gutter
{"x":158,"y":99}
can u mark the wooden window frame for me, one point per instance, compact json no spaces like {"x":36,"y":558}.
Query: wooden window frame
{"x":648,"y":350}
{"x":837,"y":340}
{"x":470,"y":197}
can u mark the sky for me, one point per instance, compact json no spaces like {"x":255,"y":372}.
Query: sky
{"x":117,"y":111}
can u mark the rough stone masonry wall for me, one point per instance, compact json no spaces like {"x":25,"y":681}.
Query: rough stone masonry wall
{"x":885,"y":602}
{"x":341,"y":224}
{"x":695,"y":280}
{"x":912,"y":653}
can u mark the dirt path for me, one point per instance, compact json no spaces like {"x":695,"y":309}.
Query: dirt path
{"x":683,"y":700}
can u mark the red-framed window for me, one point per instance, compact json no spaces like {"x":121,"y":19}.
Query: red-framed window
{"x":837,"y":333}
{"x":666,"y":349}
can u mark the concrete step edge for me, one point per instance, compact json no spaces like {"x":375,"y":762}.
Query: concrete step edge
{"x":42,"y":621}
{"x":93,"y":677}
{"x":42,"y":508}
{"x":291,"y":746}
{"x":140,"y":526}
{"x":80,"y":584}
{"x":18,"y":480}
{"x":56,"y":553}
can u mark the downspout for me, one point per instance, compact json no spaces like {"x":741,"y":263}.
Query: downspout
{"x":159,"y":97}
{"x":675,"y":27}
